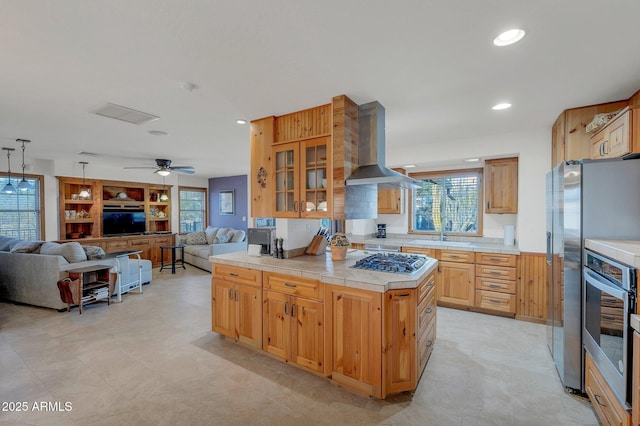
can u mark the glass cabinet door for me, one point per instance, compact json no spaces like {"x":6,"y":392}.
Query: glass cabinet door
{"x":286,"y":177}
{"x":315,"y":177}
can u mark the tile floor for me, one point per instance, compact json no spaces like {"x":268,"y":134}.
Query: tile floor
{"x":153,"y":360}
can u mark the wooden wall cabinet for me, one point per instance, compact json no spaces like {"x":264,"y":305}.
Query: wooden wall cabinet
{"x":569,"y":138}
{"x":302,"y":173}
{"x":618,"y":138}
{"x":390,"y":201}
{"x":293,"y":326}
{"x":85,"y":216}
{"x":501,"y":185}
{"x":236,"y":304}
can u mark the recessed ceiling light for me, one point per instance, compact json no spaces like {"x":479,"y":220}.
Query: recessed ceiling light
{"x":501,"y":106}
{"x":241,"y":121}
{"x":509,"y":37}
{"x":158,"y":133}
{"x":409,"y":166}
{"x":472,"y":160}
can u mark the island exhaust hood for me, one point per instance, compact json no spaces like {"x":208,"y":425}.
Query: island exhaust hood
{"x":371,"y":152}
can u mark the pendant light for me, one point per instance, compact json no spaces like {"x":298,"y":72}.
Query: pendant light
{"x":85,"y":193}
{"x":163,"y":197}
{"x":23,"y":185}
{"x":8,"y":188}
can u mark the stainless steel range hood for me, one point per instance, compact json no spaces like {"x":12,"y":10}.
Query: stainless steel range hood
{"x":371,"y":152}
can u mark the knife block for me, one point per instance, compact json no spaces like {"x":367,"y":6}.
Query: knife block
{"x":317,"y":246}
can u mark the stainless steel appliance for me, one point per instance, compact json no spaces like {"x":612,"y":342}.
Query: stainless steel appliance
{"x":392,"y":262}
{"x":381,"y":248}
{"x":263,"y":237}
{"x":586,"y":199}
{"x":609,"y":298}
{"x":382,"y":231}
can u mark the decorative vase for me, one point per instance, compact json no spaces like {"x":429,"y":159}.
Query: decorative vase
{"x":339,"y":252}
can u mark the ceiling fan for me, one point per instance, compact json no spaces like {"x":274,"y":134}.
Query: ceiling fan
{"x":163,"y":168}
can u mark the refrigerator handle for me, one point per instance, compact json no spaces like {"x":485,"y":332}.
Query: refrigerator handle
{"x":548,"y":248}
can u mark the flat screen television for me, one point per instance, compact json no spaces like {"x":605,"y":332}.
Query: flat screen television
{"x":123,"y":222}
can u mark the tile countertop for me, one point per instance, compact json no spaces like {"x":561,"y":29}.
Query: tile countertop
{"x":625,"y":251}
{"x":322,"y":268}
{"x":409,"y":241}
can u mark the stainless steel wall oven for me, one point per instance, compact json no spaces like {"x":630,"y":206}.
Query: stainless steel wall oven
{"x":609,"y":299}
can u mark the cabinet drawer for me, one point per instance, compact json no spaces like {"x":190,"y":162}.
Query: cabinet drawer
{"x":425,"y":345}
{"x":419,"y":250}
{"x":237,"y":274}
{"x":491,"y":284}
{"x":496,"y":259}
{"x":120,"y":245}
{"x":495,"y":301}
{"x":457,"y":256}
{"x":609,"y":409}
{"x":140,"y":244}
{"x":426,"y":286}
{"x":500,"y":272}
{"x":426,"y":312}
{"x":296,"y":286}
{"x":164,"y":241}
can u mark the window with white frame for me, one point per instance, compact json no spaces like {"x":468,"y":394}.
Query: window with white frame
{"x":193,"y":209}
{"x":447,"y":202}
{"x":21,"y":213}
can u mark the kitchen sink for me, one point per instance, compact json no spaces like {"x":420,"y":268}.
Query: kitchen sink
{"x":443,"y":243}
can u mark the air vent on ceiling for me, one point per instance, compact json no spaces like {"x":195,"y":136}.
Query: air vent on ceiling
{"x":125,"y":114}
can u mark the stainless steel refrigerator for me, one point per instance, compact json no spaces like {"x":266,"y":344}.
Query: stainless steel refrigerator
{"x":585,"y":199}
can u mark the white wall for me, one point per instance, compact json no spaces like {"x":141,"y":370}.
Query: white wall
{"x":533,"y":147}
{"x":50,"y":169}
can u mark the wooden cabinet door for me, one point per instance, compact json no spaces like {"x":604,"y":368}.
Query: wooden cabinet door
{"x":389,"y":201}
{"x":248,"y":323}
{"x":276,"y":325}
{"x":600,"y":144}
{"x":354,"y":330}
{"x":557,"y":141}
{"x":222,"y":307}
{"x":315,"y":179}
{"x":400,"y":340}
{"x":307,"y":346}
{"x":457,"y":282}
{"x":286,"y":172}
{"x":619,"y":138}
{"x":501,"y":185}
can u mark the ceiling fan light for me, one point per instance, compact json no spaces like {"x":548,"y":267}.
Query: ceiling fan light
{"x":164,"y":172}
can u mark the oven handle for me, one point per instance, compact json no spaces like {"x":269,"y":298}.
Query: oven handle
{"x":603,"y":285}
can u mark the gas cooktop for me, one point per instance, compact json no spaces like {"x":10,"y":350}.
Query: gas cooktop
{"x":392,"y":262}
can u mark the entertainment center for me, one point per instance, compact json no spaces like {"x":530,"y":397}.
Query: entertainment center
{"x":116,"y":215}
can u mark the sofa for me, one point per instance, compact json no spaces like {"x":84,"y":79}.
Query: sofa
{"x":30,"y":270}
{"x":210,"y":242}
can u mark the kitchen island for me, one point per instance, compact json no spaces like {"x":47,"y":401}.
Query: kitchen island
{"x":371,"y":332}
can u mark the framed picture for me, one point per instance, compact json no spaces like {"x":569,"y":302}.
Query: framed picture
{"x":226,"y":202}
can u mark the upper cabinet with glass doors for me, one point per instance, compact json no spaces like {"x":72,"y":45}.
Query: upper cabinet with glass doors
{"x":303,"y":178}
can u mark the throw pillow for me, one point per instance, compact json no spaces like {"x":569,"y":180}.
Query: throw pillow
{"x":238,"y":235}
{"x":73,"y":252}
{"x":224,"y":238}
{"x":211,"y":233}
{"x":27,"y":246}
{"x":93,"y":252}
{"x":196,"y":238}
{"x":7,"y":242}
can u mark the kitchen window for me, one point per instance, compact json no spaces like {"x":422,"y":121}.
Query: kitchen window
{"x":193,"y":209}
{"x":447,"y":203}
{"x":21,"y":213}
